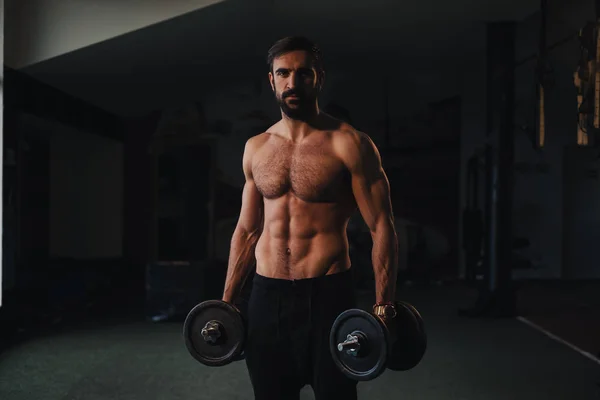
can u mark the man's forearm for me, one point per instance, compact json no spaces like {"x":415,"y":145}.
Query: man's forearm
{"x":241,"y":258}
{"x":385,"y":261}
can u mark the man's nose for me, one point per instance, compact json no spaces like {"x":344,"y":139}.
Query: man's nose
{"x":294,"y":80}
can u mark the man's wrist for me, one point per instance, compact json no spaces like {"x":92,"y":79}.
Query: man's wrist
{"x":385,"y":310}
{"x":385,"y":303}
{"x":227,"y":298}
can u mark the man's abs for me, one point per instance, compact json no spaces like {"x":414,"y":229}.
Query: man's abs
{"x":302,"y":240}
{"x":301,"y":258}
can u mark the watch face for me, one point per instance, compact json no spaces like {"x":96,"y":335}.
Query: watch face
{"x":389,"y":311}
{"x":382,"y":311}
{"x":385,"y":311}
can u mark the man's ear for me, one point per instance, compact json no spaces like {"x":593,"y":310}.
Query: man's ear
{"x":321,"y":80}
{"x":271,"y":81}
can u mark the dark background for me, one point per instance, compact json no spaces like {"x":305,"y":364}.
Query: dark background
{"x":122,"y":153}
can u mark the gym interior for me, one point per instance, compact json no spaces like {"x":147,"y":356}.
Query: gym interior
{"x":123,"y":130}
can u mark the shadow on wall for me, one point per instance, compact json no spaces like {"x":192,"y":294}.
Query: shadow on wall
{"x":421,"y":250}
{"x":337,"y":111}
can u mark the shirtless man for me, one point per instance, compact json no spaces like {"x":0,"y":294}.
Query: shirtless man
{"x":305,"y":176}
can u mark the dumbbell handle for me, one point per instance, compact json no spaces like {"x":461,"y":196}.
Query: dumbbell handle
{"x":211,"y":332}
{"x":352,"y":344}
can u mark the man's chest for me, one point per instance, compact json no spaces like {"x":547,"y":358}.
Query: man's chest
{"x":312,"y":173}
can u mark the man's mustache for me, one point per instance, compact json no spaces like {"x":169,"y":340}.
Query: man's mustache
{"x":290,"y":93}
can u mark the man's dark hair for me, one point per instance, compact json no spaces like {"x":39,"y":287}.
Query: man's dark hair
{"x":294,"y":43}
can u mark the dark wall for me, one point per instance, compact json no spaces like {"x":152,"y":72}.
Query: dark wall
{"x":62,"y":182}
{"x":546,"y":211}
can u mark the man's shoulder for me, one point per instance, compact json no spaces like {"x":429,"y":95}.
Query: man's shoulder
{"x":256,"y":141}
{"x":347,"y":138}
{"x":252,"y":147}
{"x":262,"y":137}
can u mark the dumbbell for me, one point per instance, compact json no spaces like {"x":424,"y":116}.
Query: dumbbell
{"x":363,"y":345}
{"x":215,"y":333}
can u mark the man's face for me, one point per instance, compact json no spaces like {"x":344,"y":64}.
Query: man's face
{"x":295,"y":84}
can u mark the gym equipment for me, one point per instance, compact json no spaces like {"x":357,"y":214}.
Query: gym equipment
{"x":358,"y":343}
{"x":363,"y":345}
{"x":410,"y":341}
{"x":473,"y":221}
{"x":215,"y":333}
{"x":587,"y":81}
{"x":543,"y":78}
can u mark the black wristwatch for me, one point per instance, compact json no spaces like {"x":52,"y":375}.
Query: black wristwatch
{"x":385,"y":310}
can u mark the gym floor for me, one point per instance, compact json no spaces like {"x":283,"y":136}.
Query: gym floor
{"x":128,"y":359}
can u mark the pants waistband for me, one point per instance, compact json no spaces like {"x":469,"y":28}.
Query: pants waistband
{"x":320,"y":281}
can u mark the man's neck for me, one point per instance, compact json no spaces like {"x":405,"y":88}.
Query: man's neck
{"x":298,"y":129}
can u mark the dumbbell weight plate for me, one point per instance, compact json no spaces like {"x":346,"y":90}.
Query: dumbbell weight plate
{"x":228,"y":344}
{"x":408,"y":339}
{"x":369,"y":361}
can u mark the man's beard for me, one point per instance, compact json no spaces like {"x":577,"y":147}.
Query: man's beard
{"x":304,"y":105}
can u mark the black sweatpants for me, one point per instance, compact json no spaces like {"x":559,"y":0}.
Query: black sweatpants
{"x":288,"y":336}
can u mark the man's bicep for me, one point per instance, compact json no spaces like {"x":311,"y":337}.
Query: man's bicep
{"x":370,"y":184}
{"x":251,"y":213}
{"x":373,"y":199}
